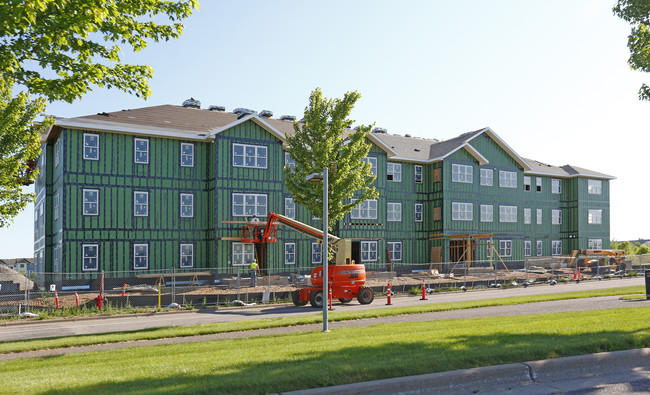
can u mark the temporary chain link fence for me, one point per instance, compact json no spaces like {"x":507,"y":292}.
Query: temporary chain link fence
{"x":197,"y":288}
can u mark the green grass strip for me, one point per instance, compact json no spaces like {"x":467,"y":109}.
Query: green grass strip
{"x":207,"y":329}
{"x":309,"y":359}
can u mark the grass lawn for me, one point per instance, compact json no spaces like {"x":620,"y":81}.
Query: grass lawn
{"x":267,"y":364}
{"x":167,"y":332}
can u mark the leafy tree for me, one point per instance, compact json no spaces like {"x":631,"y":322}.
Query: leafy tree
{"x":19,"y":145}
{"x":325,"y":140}
{"x":637,"y":13}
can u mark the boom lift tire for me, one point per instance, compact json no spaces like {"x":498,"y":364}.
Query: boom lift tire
{"x":365,"y":295}
{"x":316,"y":299}
{"x":345,"y":300}
{"x":295,"y":297}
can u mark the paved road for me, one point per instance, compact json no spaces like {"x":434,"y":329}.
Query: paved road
{"x":41,"y":329}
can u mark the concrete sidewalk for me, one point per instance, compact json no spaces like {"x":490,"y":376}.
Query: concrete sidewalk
{"x":625,"y":371}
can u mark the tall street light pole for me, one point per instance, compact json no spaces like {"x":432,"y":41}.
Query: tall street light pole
{"x":325,"y":246}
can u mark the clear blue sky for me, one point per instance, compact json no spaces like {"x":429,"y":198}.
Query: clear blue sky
{"x":551,"y":78}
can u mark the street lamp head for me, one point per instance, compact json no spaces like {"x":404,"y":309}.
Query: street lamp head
{"x":315,"y":177}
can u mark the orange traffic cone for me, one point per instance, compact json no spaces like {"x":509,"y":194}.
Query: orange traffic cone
{"x":56,"y":298}
{"x":424,"y":296}
{"x":389,"y":294}
{"x":76,"y":298}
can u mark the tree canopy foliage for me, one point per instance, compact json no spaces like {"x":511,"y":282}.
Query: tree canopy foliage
{"x":634,"y":248}
{"x":637,"y":14}
{"x":325,"y":139}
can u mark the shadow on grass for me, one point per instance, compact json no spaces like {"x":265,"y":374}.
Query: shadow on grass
{"x":307,"y":369}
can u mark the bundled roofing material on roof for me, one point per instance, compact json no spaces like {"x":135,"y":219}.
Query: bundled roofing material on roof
{"x":288,"y":118}
{"x":192,"y":103}
{"x":266,"y":113}
{"x":216,"y":108}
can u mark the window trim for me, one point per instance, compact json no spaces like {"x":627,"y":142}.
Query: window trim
{"x":556,"y":219}
{"x":243,"y":253}
{"x":483,"y":179}
{"x":528,"y":248}
{"x":244,"y":195}
{"x":136,"y":204}
{"x":83,"y":202}
{"x":369,"y":243}
{"x":591,"y":218}
{"x":135,"y":151}
{"x":355,"y":213}
{"x":286,"y":261}
{"x":593,"y":190}
{"x":528,"y":219}
{"x":507,"y":179}
{"x":556,"y":247}
{"x":491,"y":212}
{"x":462,"y":208}
{"x":390,"y":245}
{"x":135,"y":256}
{"x":83,"y":257}
{"x":468,"y":173}
{"x":244,"y":156}
{"x":191,"y":156}
{"x":397,"y":171}
{"x":373,"y":163}
{"x":418,"y":176}
{"x":180,"y":263}
{"x":286,"y":208}
{"x":396,"y":214}
{"x":506,"y":214}
{"x":416,"y":212}
{"x":556,"y":186}
{"x":191,"y":206}
{"x":527,"y":183}
{"x":538,"y":183}
{"x":86,"y":146}
{"x":315,"y":254}
{"x":56,"y":205}
{"x":57,"y":152}
{"x":539,"y":247}
{"x":597,"y":246}
{"x":289,"y":162}
{"x":505,"y":248}
{"x":539,"y":216}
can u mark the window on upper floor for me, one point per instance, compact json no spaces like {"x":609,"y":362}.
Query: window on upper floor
{"x":395,"y":250}
{"x":539,"y":247}
{"x":91,"y":146}
{"x":394,"y":212}
{"x":394,"y":172}
{"x":556,"y":247}
{"x":507,"y":213}
{"x":418,"y":174}
{"x":419,"y":212}
{"x":527,"y":183}
{"x":289,"y":253}
{"x":462,"y":173}
{"x":187,"y":256}
{"x":242,"y":253}
{"x":140,"y":256}
{"x":187,"y":205}
{"x":595,"y":244}
{"x":487,"y":177}
{"x":538,"y":183}
{"x":373,"y":163}
{"x":57,"y":257}
{"x":595,"y":217}
{"x":368,"y":251}
{"x":289,"y":208}
{"x":57,"y":152}
{"x":91,"y":202}
{"x":90,"y":259}
{"x":538,"y":214}
{"x":289,"y":162}
{"x":141,"y":150}
{"x":365,"y":210}
{"x":528,"y":248}
{"x":556,"y":186}
{"x":527,"y":216}
{"x":507,"y":179}
{"x":462,"y":211}
{"x":505,"y":248}
{"x":254,"y":156}
{"x":140,"y":204}
{"x":556,"y":217}
{"x":316,"y":253}
{"x":187,"y":155}
{"x":249,"y":204}
{"x":56,"y":206}
{"x":594,"y":187}
{"x":487,"y":213}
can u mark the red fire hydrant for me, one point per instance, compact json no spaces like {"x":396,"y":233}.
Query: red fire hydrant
{"x":98,"y":301}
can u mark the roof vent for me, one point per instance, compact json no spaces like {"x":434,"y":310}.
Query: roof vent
{"x":266,"y":113}
{"x":380,"y":130}
{"x":192,"y":103}
{"x":288,"y":118}
{"x":216,"y":108}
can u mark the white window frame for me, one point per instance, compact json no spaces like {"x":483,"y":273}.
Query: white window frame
{"x":86,"y":153}
{"x":527,"y":183}
{"x":595,"y":217}
{"x":507,"y":179}
{"x":487,"y":177}
{"x":419,"y":212}
{"x":505,"y":248}
{"x":394,"y":172}
{"x":368,"y":251}
{"x":539,"y":216}
{"x":137,"y":205}
{"x":184,"y":254}
{"x":393,"y":212}
{"x":145,"y":151}
{"x":507,"y":214}
{"x":289,"y":208}
{"x":243,"y":257}
{"x":487,"y":213}
{"x":259,"y":208}
{"x":187,"y":159}
{"x":556,"y":186}
{"x":528,"y":216}
{"x":528,"y":248}
{"x":57,"y":152}
{"x":595,"y":244}
{"x":316,"y":253}
{"x":395,"y":250}
{"x":289,"y":253}
{"x":461,"y":211}
{"x":57,"y":258}
{"x":261,"y":152}
{"x":365,"y":210}
{"x":137,"y":265}
{"x":538,"y":183}
{"x":89,"y":267}
{"x":56,"y":205}
{"x":188,"y":207}
{"x":373,"y":163}
{"x":539,"y":247}
{"x":556,"y":247}
{"x":462,"y":173}
{"x":417,"y":174}
{"x":594,"y":187}
{"x":556,"y":217}
{"x":289,"y":162}
{"x":86,"y":202}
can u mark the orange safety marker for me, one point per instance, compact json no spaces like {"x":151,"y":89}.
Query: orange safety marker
{"x":76,"y":298}
{"x":389,"y":294}
{"x":56,"y":298}
{"x":329,"y":289}
{"x":424,"y":296}
{"x":123,"y":289}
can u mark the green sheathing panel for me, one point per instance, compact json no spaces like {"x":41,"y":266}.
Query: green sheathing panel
{"x":41,"y":209}
{"x":260,"y":181}
{"x":116,"y":177}
{"x":588,"y":201}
